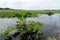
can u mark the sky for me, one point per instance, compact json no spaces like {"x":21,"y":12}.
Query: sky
{"x":30,"y":4}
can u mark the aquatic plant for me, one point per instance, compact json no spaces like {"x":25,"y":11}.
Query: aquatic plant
{"x":24,"y":13}
{"x":23,"y":29}
{"x":16,"y":13}
{"x":8,"y":31}
{"x":29,"y":29}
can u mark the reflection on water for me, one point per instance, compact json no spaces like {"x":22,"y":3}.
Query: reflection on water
{"x":51,"y":23}
{"x":7,"y":22}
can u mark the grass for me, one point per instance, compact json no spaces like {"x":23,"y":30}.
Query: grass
{"x":24,"y":13}
{"x":15,"y":13}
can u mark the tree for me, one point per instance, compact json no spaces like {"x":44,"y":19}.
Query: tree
{"x":7,"y":8}
{"x":1,"y":8}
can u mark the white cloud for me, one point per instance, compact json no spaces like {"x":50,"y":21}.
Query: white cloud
{"x":31,"y":4}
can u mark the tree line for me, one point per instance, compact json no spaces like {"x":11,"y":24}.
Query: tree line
{"x":4,"y":8}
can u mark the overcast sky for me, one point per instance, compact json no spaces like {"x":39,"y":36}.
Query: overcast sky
{"x":31,"y":4}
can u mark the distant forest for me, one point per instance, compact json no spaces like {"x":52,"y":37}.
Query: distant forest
{"x":5,"y":9}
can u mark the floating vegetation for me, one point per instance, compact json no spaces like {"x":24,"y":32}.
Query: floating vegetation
{"x":30,"y":30}
{"x":8,"y":31}
{"x":24,"y":13}
{"x":16,"y":13}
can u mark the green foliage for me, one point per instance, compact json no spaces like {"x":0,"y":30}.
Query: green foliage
{"x":35,"y":26}
{"x":24,"y":13}
{"x":16,"y":13}
{"x":21,"y":24}
{"x":8,"y":31}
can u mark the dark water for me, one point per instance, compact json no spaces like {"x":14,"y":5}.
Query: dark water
{"x":51,"y":23}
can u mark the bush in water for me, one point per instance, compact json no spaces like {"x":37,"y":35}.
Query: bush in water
{"x":29,"y":30}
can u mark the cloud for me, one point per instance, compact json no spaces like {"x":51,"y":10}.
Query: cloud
{"x":31,"y":4}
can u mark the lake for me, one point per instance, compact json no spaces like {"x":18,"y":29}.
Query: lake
{"x":51,"y":24}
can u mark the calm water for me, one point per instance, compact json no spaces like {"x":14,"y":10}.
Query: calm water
{"x":51,"y":23}
{"x":6,"y":22}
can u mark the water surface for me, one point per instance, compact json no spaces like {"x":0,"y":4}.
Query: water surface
{"x":51,"y":23}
